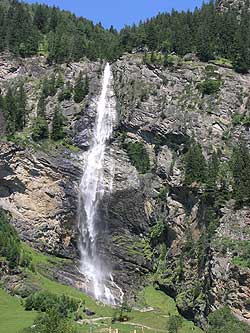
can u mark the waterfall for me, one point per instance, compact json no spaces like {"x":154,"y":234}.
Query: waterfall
{"x":92,"y":190}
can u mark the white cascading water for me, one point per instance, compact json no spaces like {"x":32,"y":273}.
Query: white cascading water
{"x":92,"y":189}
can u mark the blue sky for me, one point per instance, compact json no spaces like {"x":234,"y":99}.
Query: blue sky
{"x":120,"y":12}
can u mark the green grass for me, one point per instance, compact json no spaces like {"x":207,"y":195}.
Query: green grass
{"x":13,"y":317}
{"x":222,"y":62}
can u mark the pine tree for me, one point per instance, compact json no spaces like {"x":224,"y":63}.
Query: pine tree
{"x":240,"y":166}
{"x":195,"y":164}
{"x":81,"y":88}
{"x":40,"y":17}
{"x":41,"y":106}
{"x":21,"y":101}
{"x":57,"y":126}
{"x":2,"y":122}
{"x":212,"y":172}
{"x":10,"y":112}
{"x":40,"y":129}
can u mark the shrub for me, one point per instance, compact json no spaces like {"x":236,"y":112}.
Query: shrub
{"x":240,"y":167}
{"x":209,"y":86}
{"x":195,"y":165}
{"x":240,"y":65}
{"x":138,"y":156}
{"x":57,"y":126}
{"x":44,"y":301}
{"x":174,"y":323}
{"x":40,"y":129}
{"x":237,"y":119}
{"x":10,"y":246}
{"x":81,"y":88}
{"x":157,"y":230}
{"x":223,"y":320}
{"x":52,"y":321}
{"x":66,"y":93}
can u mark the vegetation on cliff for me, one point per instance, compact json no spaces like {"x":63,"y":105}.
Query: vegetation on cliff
{"x":62,"y":37}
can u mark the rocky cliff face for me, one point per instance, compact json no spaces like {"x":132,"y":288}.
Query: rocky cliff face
{"x":151,"y":217}
{"x":236,"y":4}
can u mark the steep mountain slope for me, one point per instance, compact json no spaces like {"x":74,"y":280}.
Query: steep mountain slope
{"x":161,"y":228}
{"x":178,"y":213}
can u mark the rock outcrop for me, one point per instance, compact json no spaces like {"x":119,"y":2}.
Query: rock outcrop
{"x":150,"y":217}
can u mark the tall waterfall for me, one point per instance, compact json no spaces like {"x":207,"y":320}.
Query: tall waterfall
{"x":92,"y":190}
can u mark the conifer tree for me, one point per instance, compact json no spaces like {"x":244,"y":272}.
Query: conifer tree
{"x":10,"y":112}
{"x":41,"y":106}
{"x":240,"y":166}
{"x":40,"y":129}
{"x":81,"y":88}
{"x":21,"y":101}
{"x":195,"y":164}
{"x":212,"y":171}
{"x":57,"y":126}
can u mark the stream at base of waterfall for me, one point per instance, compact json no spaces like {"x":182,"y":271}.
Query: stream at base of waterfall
{"x":100,"y":283}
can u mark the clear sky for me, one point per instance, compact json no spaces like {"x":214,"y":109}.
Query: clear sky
{"x":120,"y":12}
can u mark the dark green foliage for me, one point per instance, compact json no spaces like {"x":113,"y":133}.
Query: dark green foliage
{"x":65,"y":93}
{"x":138,"y":156}
{"x":59,"y":81}
{"x":174,"y":324}
{"x":209,"y":86}
{"x":195,"y":165}
{"x":44,"y":301}
{"x":26,"y":30}
{"x":240,"y":119}
{"x":241,"y":65}
{"x":41,"y":106}
{"x":81,"y":88}
{"x":240,"y":166}
{"x":49,"y":86}
{"x":212,"y":172}
{"x":21,"y":101}
{"x":10,"y":246}
{"x":20,"y":37}
{"x":57,"y":126}
{"x":13,"y":106}
{"x":157,"y":231}
{"x":10,"y":111}
{"x":239,"y":248}
{"x":223,"y":320}
{"x":52,"y":321}
{"x":40,"y":129}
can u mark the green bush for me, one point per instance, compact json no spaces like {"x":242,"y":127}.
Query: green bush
{"x":81,"y":88}
{"x":157,"y":230}
{"x":240,"y":119}
{"x":209,"y":86}
{"x":10,"y":246}
{"x":40,"y":129}
{"x":222,"y":321}
{"x":138,"y":156}
{"x":49,"y":86}
{"x":44,"y":301}
{"x":57,"y":126}
{"x":66,"y":93}
{"x":240,"y":65}
{"x":195,"y":164}
{"x":53,"y":321}
{"x":174,"y":323}
{"x":240,"y":167}
{"x":237,"y":119}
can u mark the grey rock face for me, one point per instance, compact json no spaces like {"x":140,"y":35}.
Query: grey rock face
{"x":41,"y":194}
{"x":163,"y":109}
